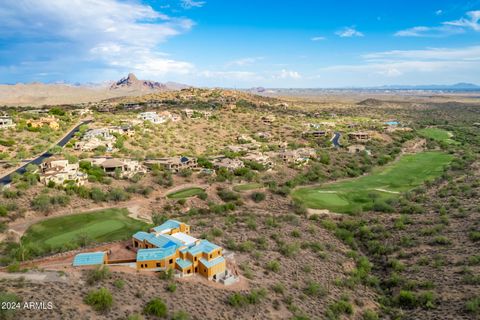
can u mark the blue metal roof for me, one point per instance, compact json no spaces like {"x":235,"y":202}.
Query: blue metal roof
{"x":184,"y":159}
{"x":88,"y":259}
{"x":204,"y":246}
{"x":183,"y":263}
{"x":169,"y":224}
{"x":392,"y":123}
{"x":155,"y":254}
{"x":213,"y":262}
{"x":141,"y":235}
{"x":161,"y":241}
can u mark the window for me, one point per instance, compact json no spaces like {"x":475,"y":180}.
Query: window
{"x":205,"y":270}
{"x":195,"y":258}
{"x":188,"y":271}
{"x":170,"y":261}
{"x":158,"y":264}
{"x":210,"y":256}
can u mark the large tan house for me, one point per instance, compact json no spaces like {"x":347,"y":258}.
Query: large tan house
{"x":60,"y":171}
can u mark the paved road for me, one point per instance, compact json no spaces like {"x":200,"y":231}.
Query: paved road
{"x":8,"y":178}
{"x":335,"y":139}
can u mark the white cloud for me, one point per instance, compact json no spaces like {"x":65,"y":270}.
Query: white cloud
{"x":319,"y":38}
{"x":448,"y":28}
{"x":288,"y":74}
{"x":447,"y":54}
{"x":412,"y":66}
{"x":188,"y":4}
{"x":433,"y":32}
{"x":472,"y":21}
{"x":349,"y":32}
{"x":439,"y":12}
{"x":244,"y":61}
{"x":115,"y":34}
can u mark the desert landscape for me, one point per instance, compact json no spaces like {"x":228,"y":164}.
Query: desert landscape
{"x":237,"y":160}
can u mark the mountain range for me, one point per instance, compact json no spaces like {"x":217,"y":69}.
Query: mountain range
{"x":37,"y":94}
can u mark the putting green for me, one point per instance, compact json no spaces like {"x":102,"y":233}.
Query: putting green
{"x":185,"y":193}
{"x":100,"y":226}
{"x":438,"y":134}
{"x":385,"y":182}
{"x":247,"y":187}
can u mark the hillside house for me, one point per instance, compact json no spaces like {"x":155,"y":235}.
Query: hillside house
{"x":94,"y":143}
{"x":6,"y":122}
{"x":298,"y":156}
{"x":170,"y":246}
{"x":174,"y":164}
{"x":227,"y":163}
{"x":359,"y":136}
{"x":124,"y":168}
{"x":170,"y":116}
{"x":314,"y":134}
{"x":49,"y":121}
{"x":152,"y":117}
{"x":259,"y":158}
{"x":94,"y":138}
{"x":189,"y":113}
{"x":60,"y":171}
{"x":124,"y":129}
{"x":357,"y":148}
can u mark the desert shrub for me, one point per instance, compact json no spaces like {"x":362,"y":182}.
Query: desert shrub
{"x":474,"y":236}
{"x":156,"y":307}
{"x":135,"y":316}
{"x":98,"y":274}
{"x":474,"y":260}
{"x":290,"y":249}
{"x":258,"y":196}
{"x":166,"y":275}
{"x":406,"y":299}
{"x":41,"y":203}
{"x":338,"y":308}
{"x":171,"y":287}
{"x":441,"y":241}
{"x":273,"y":265}
{"x":278,"y":288}
{"x":369,"y":315}
{"x":216,"y":232}
{"x":99,"y":300}
{"x":117,"y":195}
{"x":181,"y":315}
{"x":473,"y":305}
{"x":119,"y":283}
{"x":227,"y":195}
{"x":314,"y":289}
{"x":242,"y":299}
{"x":381,"y":206}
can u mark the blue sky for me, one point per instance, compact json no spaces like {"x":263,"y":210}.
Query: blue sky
{"x":242,"y":43}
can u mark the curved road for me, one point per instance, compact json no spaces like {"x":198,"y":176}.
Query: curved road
{"x":335,"y":139}
{"x":38,"y":160}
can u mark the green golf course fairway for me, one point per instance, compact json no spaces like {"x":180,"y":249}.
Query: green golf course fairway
{"x":385,"y":182}
{"x":247,"y":187}
{"x":100,"y":226}
{"x":185,"y":193}
{"x":437,"y":134}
